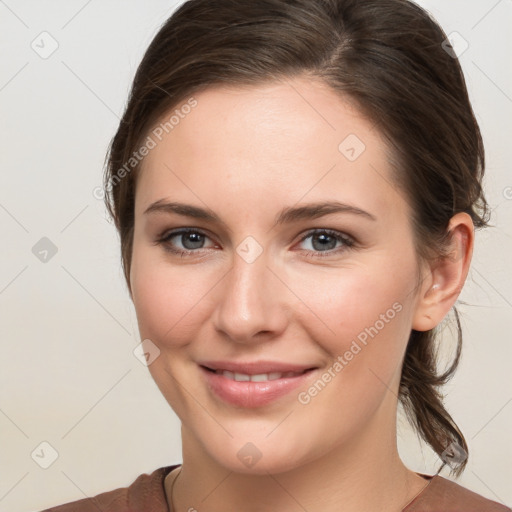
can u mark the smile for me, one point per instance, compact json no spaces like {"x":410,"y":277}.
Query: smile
{"x":261,"y":377}
{"x":255,"y":389}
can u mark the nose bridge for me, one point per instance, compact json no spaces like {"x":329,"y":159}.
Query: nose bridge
{"x":250,"y":296}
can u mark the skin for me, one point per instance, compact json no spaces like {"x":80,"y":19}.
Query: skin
{"x":246,"y":153}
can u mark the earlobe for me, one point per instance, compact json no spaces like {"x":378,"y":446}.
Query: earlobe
{"x":446,"y":276}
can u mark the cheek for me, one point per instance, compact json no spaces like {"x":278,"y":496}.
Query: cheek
{"x":169,"y":301}
{"x":364,"y":315}
{"x":345,"y":303}
{"x":371,"y":319}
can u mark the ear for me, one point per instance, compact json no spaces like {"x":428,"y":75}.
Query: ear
{"x":445,"y":277}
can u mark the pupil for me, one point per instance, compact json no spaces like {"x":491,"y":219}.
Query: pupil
{"x":324,"y":241}
{"x":192,"y":240}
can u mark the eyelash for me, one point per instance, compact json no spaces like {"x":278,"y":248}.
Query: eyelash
{"x":348,"y":242}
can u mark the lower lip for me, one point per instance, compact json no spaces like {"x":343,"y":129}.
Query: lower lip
{"x":252,"y":394}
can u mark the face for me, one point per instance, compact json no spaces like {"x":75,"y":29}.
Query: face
{"x":270,"y":240}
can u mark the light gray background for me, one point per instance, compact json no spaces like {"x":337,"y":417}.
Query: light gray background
{"x":68,"y":329}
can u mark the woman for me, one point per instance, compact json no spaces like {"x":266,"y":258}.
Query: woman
{"x":296,"y":186}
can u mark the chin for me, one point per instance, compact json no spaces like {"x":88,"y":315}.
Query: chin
{"x":257,"y":458}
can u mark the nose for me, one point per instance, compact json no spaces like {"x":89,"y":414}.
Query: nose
{"x":251,"y":302}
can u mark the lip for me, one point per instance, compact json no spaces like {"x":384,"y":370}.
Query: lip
{"x":248,"y":394}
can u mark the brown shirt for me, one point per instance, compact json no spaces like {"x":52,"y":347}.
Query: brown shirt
{"x":147,"y":494}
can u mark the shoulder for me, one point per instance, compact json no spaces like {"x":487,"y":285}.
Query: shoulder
{"x":146,"y":491}
{"x":444,"y":495}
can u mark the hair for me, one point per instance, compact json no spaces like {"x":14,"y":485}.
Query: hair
{"x":390,"y":59}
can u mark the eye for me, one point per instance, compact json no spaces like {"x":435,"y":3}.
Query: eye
{"x":325,"y":241}
{"x":321,"y":242}
{"x":184,"y":241}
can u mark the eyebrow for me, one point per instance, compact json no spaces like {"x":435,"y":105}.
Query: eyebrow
{"x":286,"y":216}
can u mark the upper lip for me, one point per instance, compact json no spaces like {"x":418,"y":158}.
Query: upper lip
{"x":256,"y":367}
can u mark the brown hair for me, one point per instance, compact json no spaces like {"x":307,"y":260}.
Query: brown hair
{"x":386,"y":56}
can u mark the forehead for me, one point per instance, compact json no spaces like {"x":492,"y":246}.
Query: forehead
{"x":281,"y":140}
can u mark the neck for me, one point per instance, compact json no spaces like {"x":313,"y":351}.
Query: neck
{"x":364,"y":474}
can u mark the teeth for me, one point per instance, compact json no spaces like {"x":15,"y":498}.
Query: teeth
{"x":266,"y":376}
{"x":262,"y":377}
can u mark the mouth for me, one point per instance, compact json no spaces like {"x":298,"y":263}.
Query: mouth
{"x":249,"y":386}
{"x":259,"y":377}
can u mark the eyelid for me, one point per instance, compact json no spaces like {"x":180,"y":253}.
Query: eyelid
{"x":348,"y":241}
{"x":167,"y":234}
{"x":332,"y":232}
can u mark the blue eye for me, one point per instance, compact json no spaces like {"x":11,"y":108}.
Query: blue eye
{"x":190,"y":239}
{"x":324,"y":242}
